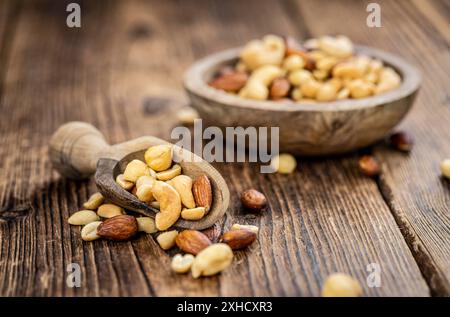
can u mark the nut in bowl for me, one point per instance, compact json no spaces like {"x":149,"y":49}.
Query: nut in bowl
{"x":312,"y":92}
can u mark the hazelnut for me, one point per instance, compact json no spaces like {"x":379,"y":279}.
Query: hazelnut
{"x":253,"y":199}
{"x":401,"y":141}
{"x":369,"y":166}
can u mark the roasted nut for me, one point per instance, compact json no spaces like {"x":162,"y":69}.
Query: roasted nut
{"x":401,"y":141}
{"x":213,"y":233}
{"x":192,"y":241}
{"x":238,"y":239}
{"x":253,"y":199}
{"x":212,"y":260}
{"x":279,"y":88}
{"x":169,"y":174}
{"x":231,"y":82}
{"x":445,"y":168}
{"x":134,"y":170}
{"x":182,"y":263}
{"x":339,"y":46}
{"x":296,"y":94}
{"x":89,"y":231}
{"x":159,"y":157}
{"x":170,"y":205}
{"x":94,"y":201}
{"x":146,"y":224}
{"x":183,"y":185}
{"x":326,"y":92}
{"x":166,"y":240}
{"x":361,"y":89}
{"x":251,"y":228}
{"x":155,"y":204}
{"x":144,"y":193}
{"x":284,"y":163}
{"x":109,"y":211}
{"x":388,"y":80}
{"x":201,"y":189}
{"x":124,"y":183}
{"x":344,"y":93}
{"x":300,"y":77}
{"x":341,"y":285}
{"x":83,"y":217}
{"x":187,"y":115}
{"x":193,"y":213}
{"x":310,"y":88}
{"x":148,"y":180}
{"x":293,"y":62}
{"x":118,"y":228}
{"x":369,"y":166}
{"x":255,"y":90}
{"x":269,"y":51}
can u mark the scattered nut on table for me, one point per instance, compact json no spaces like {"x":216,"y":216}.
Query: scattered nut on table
{"x":109,"y":210}
{"x":401,"y":141}
{"x":212,"y":260}
{"x":166,"y":240}
{"x":284,"y":163}
{"x":253,"y":199}
{"x":192,"y":241}
{"x":341,"y":285}
{"x":238,"y":239}
{"x":83,"y":217}
{"x":182,"y":263}
{"x":94,"y":201}
{"x":369,"y":166}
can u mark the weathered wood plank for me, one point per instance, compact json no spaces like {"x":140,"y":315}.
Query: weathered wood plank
{"x":411,"y":184}
{"x":322,"y":219}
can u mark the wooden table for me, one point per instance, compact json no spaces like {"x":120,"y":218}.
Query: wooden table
{"x":324,"y":218}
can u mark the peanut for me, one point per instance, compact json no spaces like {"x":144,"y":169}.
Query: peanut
{"x":83,"y":217}
{"x":109,"y":211}
{"x":89,"y":231}
{"x":341,"y":285}
{"x":124,"y":183}
{"x":166,"y":240}
{"x":94,"y":201}
{"x":182,"y":263}
{"x":193,"y":214}
{"x":134,"y":170}
{"x":146,"y":224}
{"x":212,"y":260}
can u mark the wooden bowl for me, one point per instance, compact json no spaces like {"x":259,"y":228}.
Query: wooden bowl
{"x":310,"y":129}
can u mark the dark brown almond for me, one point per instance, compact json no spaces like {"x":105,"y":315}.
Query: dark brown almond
{"x":253,"y":199}
{"x":402,"y":141}
{"x":231,"y":82}
{"x":238,"y":239}
{"x":369,"y":166}
{"x":118,"y":228}
{"x":201,"y":189}
{"x":213,"y":233}
{"x":279,"y":88}
{"x":192,"y":241}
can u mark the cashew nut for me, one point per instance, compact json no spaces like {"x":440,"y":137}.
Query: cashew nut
{"x":182,"y":263}
{"x":183,"y":185}
{"x":170,"y":205}
{"x":212,"y":260}
{"x":170,"y":173}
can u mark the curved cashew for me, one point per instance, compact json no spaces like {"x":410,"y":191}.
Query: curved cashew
{"x":183,"y":185}
{"x":170,"y":205}
{"x":215,"y":258}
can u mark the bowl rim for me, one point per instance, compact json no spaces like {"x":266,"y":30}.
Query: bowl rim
{"x":194,"y":83}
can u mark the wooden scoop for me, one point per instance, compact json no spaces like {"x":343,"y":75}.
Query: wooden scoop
{"x":78,"y":150}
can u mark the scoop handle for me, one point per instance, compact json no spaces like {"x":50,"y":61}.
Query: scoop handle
{"x":76,"y":147}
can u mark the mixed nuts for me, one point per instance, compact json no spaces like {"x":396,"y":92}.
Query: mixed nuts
{"x":319,"y":70}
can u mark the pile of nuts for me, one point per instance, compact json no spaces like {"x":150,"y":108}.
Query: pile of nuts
{"x":160,"y":183}
{"x":323,"y":69}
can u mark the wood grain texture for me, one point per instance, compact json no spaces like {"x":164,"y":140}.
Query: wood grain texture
{"x":122,"y":72}
{"x":411,"y":184}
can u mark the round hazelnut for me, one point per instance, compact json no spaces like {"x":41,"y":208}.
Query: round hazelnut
{"x":253,"y":199}
{"x":369,"y":166}
{"x":401,"y":141}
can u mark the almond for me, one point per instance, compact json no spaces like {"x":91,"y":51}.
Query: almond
{"x":230,"y":82}
{"x":238,"y":239}
{"x":192,"y":241}
{"x":118,"y":228}
{"x":201,"y":188}
{"x":213,"y":233}
{"x":279,"y":88}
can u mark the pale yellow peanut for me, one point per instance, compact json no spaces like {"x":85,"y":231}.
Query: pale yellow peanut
{"x":255,"y":90}
{"x":159,"y":157}
{"x":169,"y":174}
{"x":320,"y":74}
{"x":145,"y":180}
{"x":89,"y":231}
{"x":166,"y":240}
{"x":110,"y":210}
{"x":182,"y":263}
{"x":127,"y":185}
{"x":344,"y":93}
{"x":293,"y":62}
{"x":83,"y":217}
{"x":144,"y":193}
{"x":193,"y":214}
{"x":341,"y":285}
{"x":326,"y":92}
{"x":299,"y":77}
{"x":360,"y":89}
{"x":94,"y":201}
{"x":134,"y":170}
{"x":310,"y":88}
{"x":146,"y":224}
{"x":296,"y":94}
